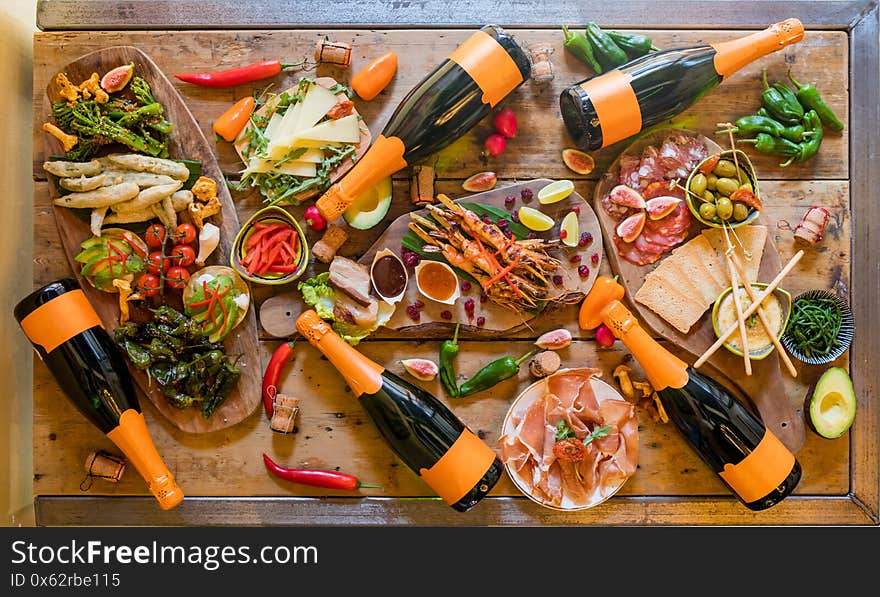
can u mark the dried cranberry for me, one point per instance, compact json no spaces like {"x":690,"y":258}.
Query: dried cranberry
{"x":575,"y":259}
{"x":506,"y":232}
{"x":410,"y":258}
{"x":594,"y":259}
{"x":583,"y":271}
{"x":557,"y":280}
{"x":418,"y":304}
{"x":509,"y":200}
{"x":481,"y":321}
{"x":413,"y":312}
{"x":526,"y":194}
{"x":503,"y":223}
{"x":483,"y":298}
{"x":576,"y":209}
{"x":486,"y":220}
{"x":585,"y":239}
{"x":465,"y":286}
{"x":514,"y":216}
{"x":532,"y":236}
{"x":563,"y":234}
{"x":469,"y":305}
{"x":446,"y":314}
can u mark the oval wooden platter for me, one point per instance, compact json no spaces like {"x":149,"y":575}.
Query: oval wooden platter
{"x":186,"y":142}
{"x":499,"y":319}
{"x":765,"y":386}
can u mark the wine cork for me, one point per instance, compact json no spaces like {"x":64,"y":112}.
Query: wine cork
{"x":284,"y":414}
{"x":812,"y":226}
{"x":332,"y":52}
{"x":102,"y":465}
{"x":421,"y":188}
{"x":542,"y":67}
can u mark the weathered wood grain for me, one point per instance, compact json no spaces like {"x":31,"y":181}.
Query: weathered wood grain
{"x":534,"y":153}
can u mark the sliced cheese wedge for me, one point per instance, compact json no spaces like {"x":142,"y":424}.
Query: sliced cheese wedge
{"x":273,"y":126}
{"x":315,"y":104}
{"x":288,"y":122}
{"x":304,"y":169}
{"x":312,"y":154}
{"x":344,"y":130}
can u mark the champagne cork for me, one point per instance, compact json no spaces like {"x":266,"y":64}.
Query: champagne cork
{"x":102,"y":465}
{"x":812,"y":226}
{"x":542,"y":67}
{"x":284,"y":413}
{"x":332,"y":52}
{"x":421,"y":188}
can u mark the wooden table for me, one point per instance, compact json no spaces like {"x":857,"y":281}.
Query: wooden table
{"x":222,"y":473}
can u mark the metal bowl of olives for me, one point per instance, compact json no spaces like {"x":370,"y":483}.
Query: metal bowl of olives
{"x":723,"y":190}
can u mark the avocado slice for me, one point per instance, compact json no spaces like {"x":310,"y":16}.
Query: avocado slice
{"x":90,"y":253}
{"x":833,"y":403}
{"x":371,"y":206}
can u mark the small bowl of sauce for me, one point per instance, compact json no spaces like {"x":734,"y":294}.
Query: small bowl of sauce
{"x":388,"y":276}
{"x":437,"y":282}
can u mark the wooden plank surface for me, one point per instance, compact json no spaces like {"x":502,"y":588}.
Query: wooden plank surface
{"x":334,"y":430}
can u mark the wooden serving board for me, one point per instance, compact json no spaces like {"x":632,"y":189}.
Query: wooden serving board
{"x":186,"y":142}
{"x":765,"y":386}
{"x":499,"y":319}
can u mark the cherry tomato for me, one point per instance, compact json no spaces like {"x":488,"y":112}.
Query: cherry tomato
{"x":148,"y":285}
{"x":183,"y":255}
{"x":186,"y":234}
{"x":157,"y":264}
{"x":155,"y":236}
{"x":177,"y":277}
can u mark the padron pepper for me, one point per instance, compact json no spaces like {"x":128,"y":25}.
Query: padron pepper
{"x":810,"y":98}
{"x":772,"y":145}
{"x":810,"y":147}
{"x":492,"y":374}
{"x":779,"y":105}
{"x":633,"y":44}
{"x":607,"y":52}
{"x":751,"y":125}
{"x":448,"y":351}
{"x":580,"y":48}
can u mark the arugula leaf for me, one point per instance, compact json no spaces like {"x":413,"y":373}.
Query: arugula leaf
{"x":563,"y":431}
{"x":597,"y":433}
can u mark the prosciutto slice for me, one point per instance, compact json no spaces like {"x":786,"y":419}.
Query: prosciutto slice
{"x":528,"y":447}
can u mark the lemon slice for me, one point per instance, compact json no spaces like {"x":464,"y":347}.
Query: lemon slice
{"x":534,"y":220}
{"x":555,"y":191}
{"x":569,"y":229}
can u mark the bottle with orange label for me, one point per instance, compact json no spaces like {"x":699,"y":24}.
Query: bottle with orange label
{"x":71,"y":340}
{"x":747,"y":456}
{"x":441,"y":108}
{"x":424,"y":433}
{"x":618,"y":104}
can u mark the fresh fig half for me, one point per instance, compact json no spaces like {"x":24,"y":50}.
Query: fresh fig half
{"x":421,"y":369}
{"x":481,"y":181}
{"x":660,"y":207}
{"x":578,"y":161}
{"x":116,"y":79}
{"x":623,"y":195}
{"x":631,"y":227}
{"x":554,"y":340}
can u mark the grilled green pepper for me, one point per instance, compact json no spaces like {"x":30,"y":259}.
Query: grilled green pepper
{"x":607,"y":52}
{"x":448,"y":351}
{"x":492,"y":374}
{"x":580,"y":48}
{"x":750,"y":125}
{"x":809,"y":97}
{"x":633,"y":44}
{"x":779,"y":105}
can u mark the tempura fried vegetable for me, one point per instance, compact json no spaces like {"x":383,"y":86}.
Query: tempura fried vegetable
{"x":141,"y":179}
{"x":143,"y":163}
{"x":72,"y":169}
{"x":102,"y":197}
{"x":147,"y":197}
{"x":82,"y":184}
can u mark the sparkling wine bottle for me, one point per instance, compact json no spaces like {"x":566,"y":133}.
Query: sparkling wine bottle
{"x":71,"y":340}
{"x":426,"y":435}
{"x":441,"y":108}
{"x":608,"y":108}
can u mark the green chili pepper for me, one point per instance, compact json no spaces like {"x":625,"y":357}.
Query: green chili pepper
{"x":492,"y":374}
{"x":448,"y":351}
{"x":634,"y":45}
{"x":809,"y":97}
{"x":810,"y":147}
{"x":580,"y":48}
{"x":771,"y":145}
{"x":779,"y":106}
{"x":750,"y":125}
{"x":607,"y":52}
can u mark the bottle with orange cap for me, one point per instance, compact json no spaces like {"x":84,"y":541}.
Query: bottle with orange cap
{"x":748,"y":457}
{"x":446,"y":104}
{"x":602,"y":110}
{"x":459,"y":466}
{"x":71,"y":340}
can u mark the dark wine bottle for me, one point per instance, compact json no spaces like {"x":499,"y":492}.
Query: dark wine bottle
{"x":605,"y":109}
{"x":748,"y":457}
{"x":441,"y":108}
{"x":71,"y":340}
{"x":421,"y":430}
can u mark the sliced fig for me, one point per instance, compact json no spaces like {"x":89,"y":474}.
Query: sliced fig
{"x":623,"y":195}
{"x":578,"y":161}
{"x":481,"y":181}
{"x":116,"y":79}
{"x":421,"y":369}
{"x":660,"y":207}
{"x":630,"y":228}
{"x":554,"y":340}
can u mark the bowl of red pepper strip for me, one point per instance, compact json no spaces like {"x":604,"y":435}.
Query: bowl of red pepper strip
{"x":270,"y":248}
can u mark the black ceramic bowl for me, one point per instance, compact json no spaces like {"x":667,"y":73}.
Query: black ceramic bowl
{"x":844,"y":336}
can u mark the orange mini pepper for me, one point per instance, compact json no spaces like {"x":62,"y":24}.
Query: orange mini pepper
{"x":374,"y":77}
{"x":231,"y":123}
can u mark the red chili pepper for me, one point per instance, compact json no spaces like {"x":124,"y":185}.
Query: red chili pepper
{"x":315,"y":477}
{"x":237,"y":76}
{"x":279,"y":358}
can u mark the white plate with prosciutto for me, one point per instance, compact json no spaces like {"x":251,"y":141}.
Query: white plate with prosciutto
{"x":570,"y":441}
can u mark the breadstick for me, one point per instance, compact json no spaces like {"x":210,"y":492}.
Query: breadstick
{"x":741,"y":321}
{"x":752,"y":308}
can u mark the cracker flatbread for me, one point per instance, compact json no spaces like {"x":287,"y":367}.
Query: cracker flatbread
{"x":752,"y":238}
{"x":698,"y":261}
{"x":661,"y":294}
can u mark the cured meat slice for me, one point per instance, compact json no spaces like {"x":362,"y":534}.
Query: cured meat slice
{"x":633,"y":254}
{"x":650,"y":169}
{"x":629,"y":170}
{"x":645,"y":246}
{"x":675,"y":223}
